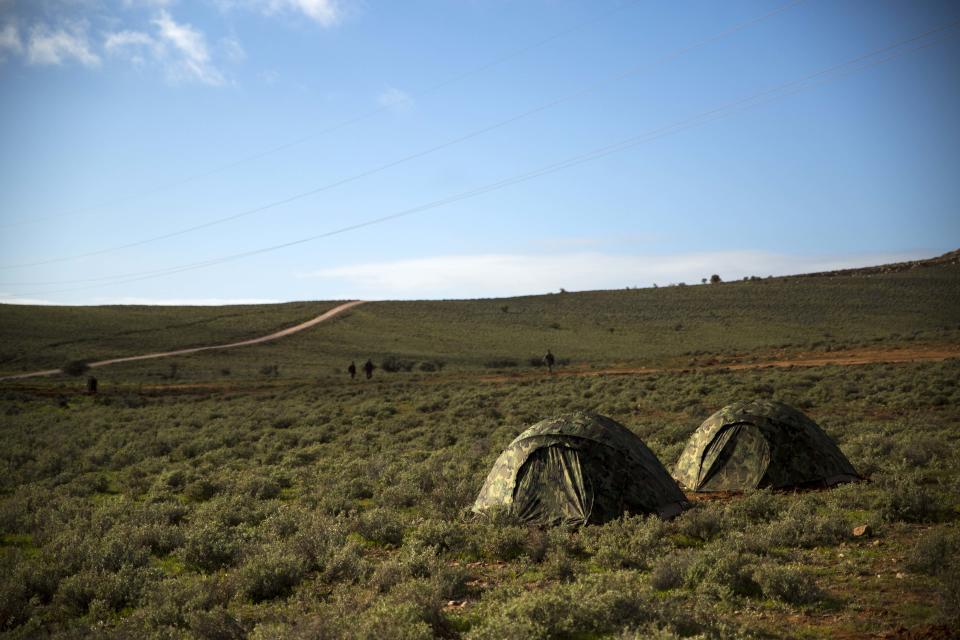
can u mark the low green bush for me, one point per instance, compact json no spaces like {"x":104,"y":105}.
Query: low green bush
{"x":907,"y":499}
{"x":721,"y":572}
{"x":629,"y":542}
{"x":272,"y":572}
{"x":790,"y":584}
{"x":669,"y":571}
{"x":933,"y":552}
{"x":594,"y":605}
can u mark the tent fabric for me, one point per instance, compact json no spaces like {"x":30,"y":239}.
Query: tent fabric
{"x":578,"y":468}
{"x":762,"y":443}
{"x":551,"y":484}
{"x":727,"y":462}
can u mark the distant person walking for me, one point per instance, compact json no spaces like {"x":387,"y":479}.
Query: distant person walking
{"x":549,"y":360}
{"x":352,"y":370}
{"x":368,"y":368}
{"x":91,"y":385}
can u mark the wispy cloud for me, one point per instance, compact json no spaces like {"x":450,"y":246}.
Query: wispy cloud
{"x":184,"y":302}
{"x":191,"y":58}
{"x":47,"y":46}
{"x":148,"y":3}
{"x":492,"y":275}
{"x":232,"y":49}
{"x":133,"y":45}
{"x":395,"y":99}
{"x":326,"y":13}
{"x":133,"y":300}
{"x":10,"y":40}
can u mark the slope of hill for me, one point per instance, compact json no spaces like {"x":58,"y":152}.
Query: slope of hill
{"x":890,"y":306}
{"x":235,"y":502}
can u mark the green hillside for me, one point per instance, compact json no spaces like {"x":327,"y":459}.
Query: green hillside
{"x":260,"y":493}
{"x":638,"y":326}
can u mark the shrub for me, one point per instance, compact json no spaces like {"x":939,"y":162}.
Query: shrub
{"x":444,"y":535}
{"x":201,"y":490}
{"x":754,"y":507}
{"x":504,"y":542}
{"x":216,"y":624}
{"x":933,"y":551}
{"x":590,"y":607}
{"x":949,"y":591}
{"x":790,"y":584}
{"x":345,"y":563}
{"x":669,"y":571}
{"x":393,"y":364}
{"x":380,"y":525}
{"x":210,"y":545}
{"x":907,"y":501}
{"x":803,"y":526}
{"x":76,"y":367}
{"x":403,"y":619}
{"x":501,"y":363}
{"x":704,"y":522}
{"x":273,"y":572}
{"x":558,"y":565}
{"x":722,"y":572}
{"x":630,"y":542}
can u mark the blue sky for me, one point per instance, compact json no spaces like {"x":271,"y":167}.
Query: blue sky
{"x":125,"y":121}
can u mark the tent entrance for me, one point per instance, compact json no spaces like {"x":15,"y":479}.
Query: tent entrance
{"x":554,"y":487}
{"x":737,"y":457}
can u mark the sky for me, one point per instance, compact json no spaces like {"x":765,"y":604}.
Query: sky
{"x":226,"y":151}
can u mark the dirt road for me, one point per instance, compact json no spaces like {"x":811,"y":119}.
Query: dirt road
{"x":182,"y":352}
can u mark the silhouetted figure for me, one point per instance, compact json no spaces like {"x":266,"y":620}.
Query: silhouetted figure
{"x":368,"y":368}
{"x":549,"y":360}
{"x":352,"y":370}
{"x":91,"y":385}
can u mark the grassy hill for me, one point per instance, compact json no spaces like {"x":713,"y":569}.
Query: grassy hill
{"x":637,"y":326}
{"x":41,"y":337}
{"x":232,"y":502}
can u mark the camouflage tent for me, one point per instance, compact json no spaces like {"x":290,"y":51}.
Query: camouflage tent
{"x":748,"y":445}
{"x":576,"y":469}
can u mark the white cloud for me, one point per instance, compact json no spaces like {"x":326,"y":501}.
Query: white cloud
{"x":270,"y":76}
{"x":326,"y":13}
{"x":132,"y":45}
{"x":192,"y":58}
{"x":232,"y":49}
{"x":48,"y":47}
{"x":396,"y":99}
{"x":148,"y":3}
{"x":161,"y":302}
{"x":184,"y":302}
{"x":10,"y":40}
{"x":493,"y":275}
{"x":9,"y":298}
{"x":124,"y":39}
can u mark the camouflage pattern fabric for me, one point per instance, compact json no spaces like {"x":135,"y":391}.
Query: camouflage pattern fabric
{"x":726,"y":453}
{"x":579,"y":468}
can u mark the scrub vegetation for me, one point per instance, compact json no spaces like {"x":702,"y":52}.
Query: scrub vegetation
{"x":305,"y":505}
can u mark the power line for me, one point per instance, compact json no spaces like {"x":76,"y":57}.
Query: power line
{"x":632,"y":71}
{"x":516,"y":53}
{"x":835,"y":72}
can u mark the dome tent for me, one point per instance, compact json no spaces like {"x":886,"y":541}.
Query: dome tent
{"x":762,"y":443}
{"x":578,"y":468}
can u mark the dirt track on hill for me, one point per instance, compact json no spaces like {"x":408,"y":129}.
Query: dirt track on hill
{"x":182,"y":352}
